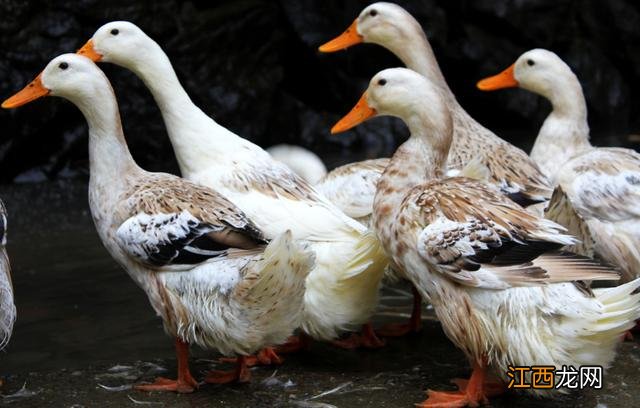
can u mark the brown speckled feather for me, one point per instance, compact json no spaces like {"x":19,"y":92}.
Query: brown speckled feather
{"x":510,"y":168}
{"x":164,"y":194}
{"x":561,"y":211}
{"x":598,"y":200}
{"x":459,"y":199}
{"x":478,"y":237}
{"x":275,"y":180}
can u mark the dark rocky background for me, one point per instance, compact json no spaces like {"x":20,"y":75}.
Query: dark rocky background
{"x":253,"y":65}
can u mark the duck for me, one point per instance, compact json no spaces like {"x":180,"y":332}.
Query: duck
{"x":597,"y":189}
{"x":510,"y":169}
{"x":476,"y":151}
{"x":207,"y":269}
{"x":503,"y":292}
{"x":8,"y":311}
{"x":342,"y":289}
{"x":303,"y":162}
{"x":352,"y":187}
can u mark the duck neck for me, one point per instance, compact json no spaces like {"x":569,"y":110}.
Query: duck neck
{"x":109,"y":156}
{"x":157,"y":73}
{"x":418,"y":160}
{"x":416,"y":53}
{"x":565,"y":132}
{"x":568,"y":100}
{"x":193,"y":134}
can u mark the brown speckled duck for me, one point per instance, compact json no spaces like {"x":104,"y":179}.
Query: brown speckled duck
{"x":511,"y":169}
{"x":492,"y":271}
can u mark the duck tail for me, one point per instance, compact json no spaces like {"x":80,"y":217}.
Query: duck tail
{"x":621,"y":309}
{"x":272,"y":291}
{"x":366,"y":269}
{"x":369,"y":259}
{"x":621,"y":306}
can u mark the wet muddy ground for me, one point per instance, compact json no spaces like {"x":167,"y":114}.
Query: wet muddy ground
{"x":85,"y":333}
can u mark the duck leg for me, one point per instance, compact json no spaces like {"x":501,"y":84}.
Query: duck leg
{"x":266,"y":356}
{"x":367,"y":339}
{"x":415,"y":321}
{"x":185,"y":383}
{"x":240,"y":374}
{"x":473,"y":392}
{"x":628,"y":335}
{"x":294,"y":344}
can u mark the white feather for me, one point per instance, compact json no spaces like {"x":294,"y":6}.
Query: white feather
{"x":303,"y":162}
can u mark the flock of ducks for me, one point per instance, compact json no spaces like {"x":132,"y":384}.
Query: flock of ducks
{"x":240,"y":251}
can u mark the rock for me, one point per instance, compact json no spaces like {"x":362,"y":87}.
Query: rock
{"x":253,"y":65}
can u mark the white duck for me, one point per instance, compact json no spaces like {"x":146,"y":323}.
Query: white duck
{"x":392,"y":27}
{"x":351,"y":187}
{"x":202,"y":263}
{"x":7,"y":307}
{"x":342,"y":289}
{"x":597,"y":193}
{"x":487,"y":265}
{"x":303,"y":162}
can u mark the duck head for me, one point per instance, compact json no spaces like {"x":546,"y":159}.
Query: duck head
{"x":118,"y":42}
{"x":402,"y":93}
{"x":69,"y":76}
{"x":538,"y":70}
{"x":382,"y":23}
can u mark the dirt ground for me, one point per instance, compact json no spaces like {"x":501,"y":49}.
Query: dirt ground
{"x":85,"y":333}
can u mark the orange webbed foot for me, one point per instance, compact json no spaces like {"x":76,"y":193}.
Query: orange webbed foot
{"x":185,"y":382}
{"x":266,"y":356}
{"x":369,"y":338}
{"x":241,"y":374}
{"x":226,"y":377}
{"x":352,"y":342}
{"x":490,"y":389}
{"x":471,"y":393}
{"x":449,"y":399}
{"x":184,"y":385}
{"x":294,"y":344}
{"x":366,"y":339}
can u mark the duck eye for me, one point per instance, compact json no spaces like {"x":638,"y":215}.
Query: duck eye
{"x":63,"y":65}
{"x":373,"y":13}
{"x":531,"y":62}
{"x":382,"y":82}
{"x":115,"y":31}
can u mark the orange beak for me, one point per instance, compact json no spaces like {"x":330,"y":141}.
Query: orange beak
{"x":29,"y":93}
{"x":88,"y":51}
{"x":505,"y":79}
{"x":345,"y":40}
{"x":361,"y":112}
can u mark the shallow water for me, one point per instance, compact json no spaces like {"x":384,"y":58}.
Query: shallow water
{"x":83,"y":324}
